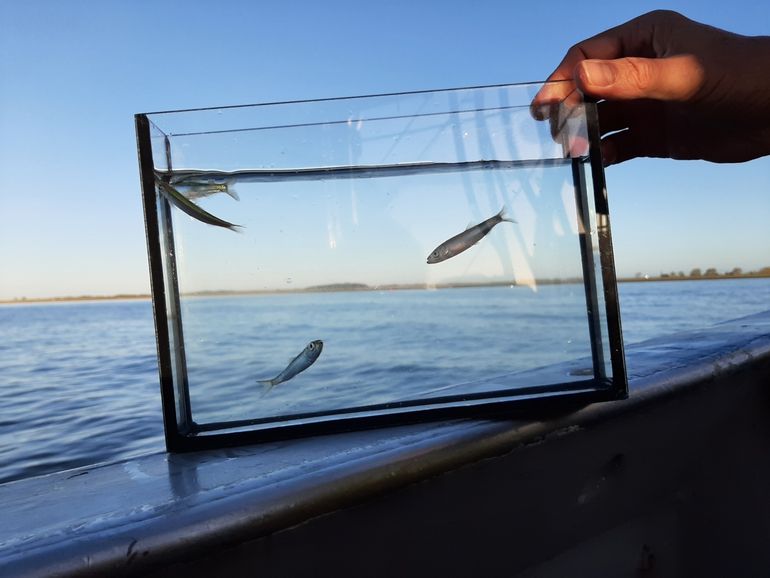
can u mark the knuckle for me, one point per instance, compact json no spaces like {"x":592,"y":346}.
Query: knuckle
{"x":639,"y":74}
{"x":577,"y":52}
{"x":662,"y":15}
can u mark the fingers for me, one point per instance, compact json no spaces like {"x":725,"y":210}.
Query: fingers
{"x":634,"y":70}
{"x":611,"y":44}
{"x":677,"y":78}
{"x":619,"y":147}
{"x":646,"y":36}
{"x":632,"y":129}
{"x":628,"y":144}
{"x":560,"y":84}
{"x":635,"y":114}
{"x":550,"y":97}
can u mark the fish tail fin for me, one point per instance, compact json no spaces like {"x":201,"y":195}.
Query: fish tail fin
{"x":503,"y":214}
{"x":267,"y":384}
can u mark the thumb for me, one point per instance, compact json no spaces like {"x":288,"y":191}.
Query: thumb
{"x":672,"y":78}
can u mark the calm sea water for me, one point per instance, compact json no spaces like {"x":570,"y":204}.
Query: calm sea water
{"x":79,"y":385}
{"x":379,"y":346}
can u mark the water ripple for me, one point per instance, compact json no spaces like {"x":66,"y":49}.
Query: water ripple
{"x":79,"y":385}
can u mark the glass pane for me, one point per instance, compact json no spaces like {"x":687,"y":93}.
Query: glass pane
{"x":372,"y":255}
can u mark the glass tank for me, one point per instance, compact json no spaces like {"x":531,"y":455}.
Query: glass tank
{"x":350,"y":262}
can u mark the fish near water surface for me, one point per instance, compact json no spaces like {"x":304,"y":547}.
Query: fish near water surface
{"x":466,"y":239}
{"x":187,"y":206}
{"x":305,"y":359}
{"x":194,"y":190}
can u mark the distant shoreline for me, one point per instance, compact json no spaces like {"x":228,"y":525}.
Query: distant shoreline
{"x":701,"y":278}
{"x":349,"y":287}
{"x":66,"y":299}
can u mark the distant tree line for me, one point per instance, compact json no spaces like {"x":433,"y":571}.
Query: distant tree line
{"x":710,"y":273}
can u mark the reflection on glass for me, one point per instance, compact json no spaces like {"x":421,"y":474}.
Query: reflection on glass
{"x":436,"y":247}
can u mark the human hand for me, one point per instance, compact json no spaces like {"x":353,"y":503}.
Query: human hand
{"x":672,"y":87}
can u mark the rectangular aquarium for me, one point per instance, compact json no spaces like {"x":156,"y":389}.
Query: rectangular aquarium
{"x":353,"y":262}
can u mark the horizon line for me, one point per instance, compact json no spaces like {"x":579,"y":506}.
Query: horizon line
{"x":353,"y":287}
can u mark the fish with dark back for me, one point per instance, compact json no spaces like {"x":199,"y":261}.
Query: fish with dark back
{"x":465,"y":240}
{"x":305,"y":359}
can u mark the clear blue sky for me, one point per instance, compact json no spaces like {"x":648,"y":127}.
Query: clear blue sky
{"x":72,"y":74}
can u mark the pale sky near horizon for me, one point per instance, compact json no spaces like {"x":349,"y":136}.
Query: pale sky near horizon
{"x":73,"y":74}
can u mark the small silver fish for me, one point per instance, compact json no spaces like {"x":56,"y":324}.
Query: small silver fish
{"x":466,"y":239}
{"x":300,"y":363}
{"x":186,"y":205}
{"x":194,"y":190}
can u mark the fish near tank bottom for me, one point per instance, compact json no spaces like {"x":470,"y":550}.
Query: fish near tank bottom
{"x":355,"y":262}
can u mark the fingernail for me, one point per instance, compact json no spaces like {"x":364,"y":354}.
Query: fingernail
{"x":598,"y":73}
